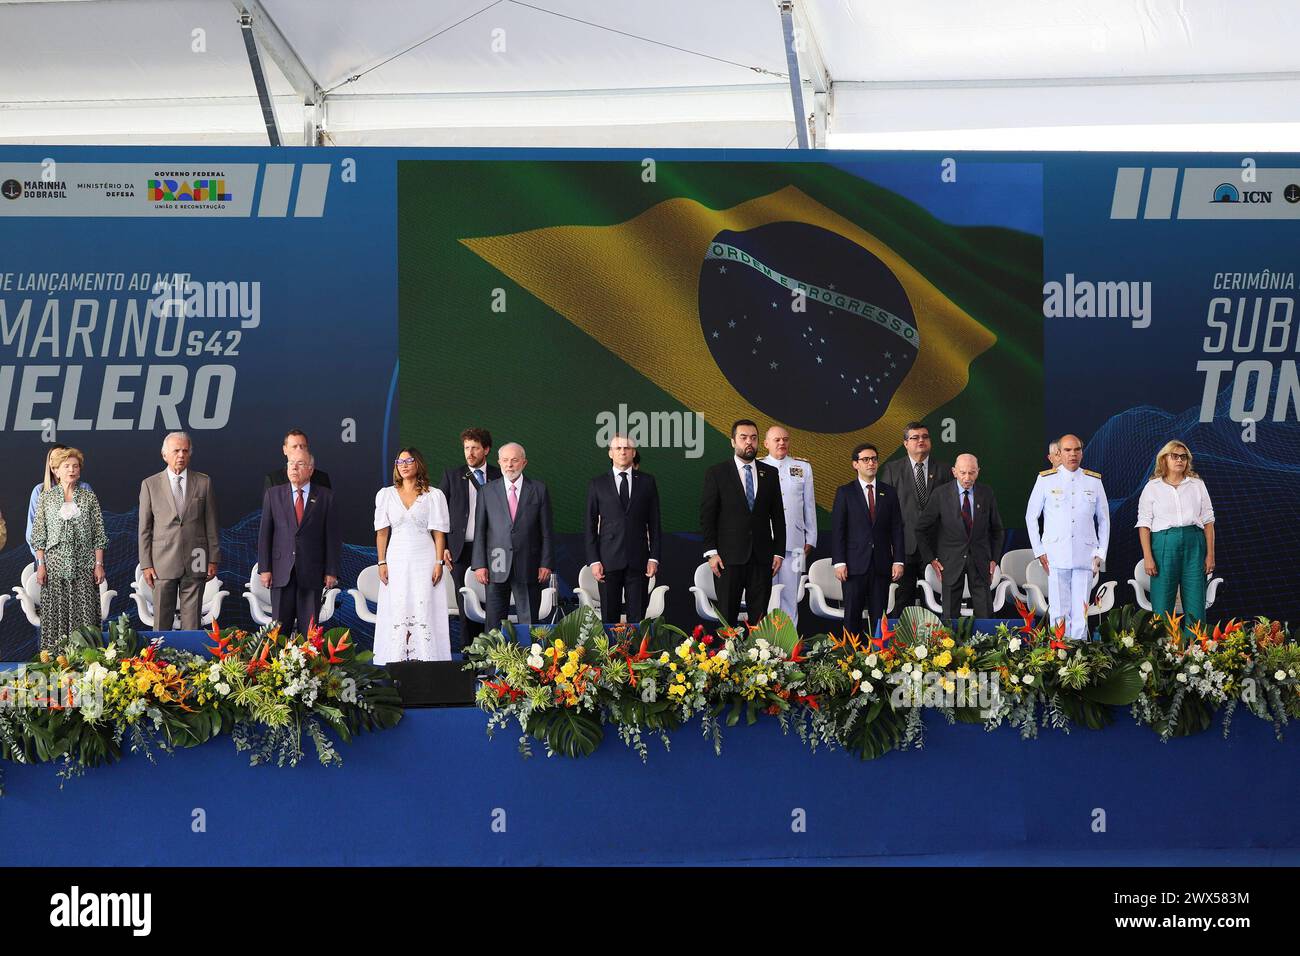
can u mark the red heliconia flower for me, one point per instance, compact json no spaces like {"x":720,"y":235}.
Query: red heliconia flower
{"x":1026,"y":615}
{"x":336,"y":649}
{"x":1058,"y":640}
{"x":707,"y":640}
{"x":796,"y":657}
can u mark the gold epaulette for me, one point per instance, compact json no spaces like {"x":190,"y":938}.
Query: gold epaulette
{"x":1094,"y":474}
{"x":1049,"y":471}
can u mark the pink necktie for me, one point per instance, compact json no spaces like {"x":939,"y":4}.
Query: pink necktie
{"x":514,"y":501}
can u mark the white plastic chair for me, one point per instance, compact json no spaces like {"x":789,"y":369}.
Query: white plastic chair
{"x":1141,"y":584}
{"x":29,"y":596}
{"x":213,"y":597}
{"x":1014,"y":567}
{"x":259,"y":600}
{"x":588,"y":594}
{"x":1002,"y":588}
{"x":706,"y":594}
{"x":826,"y":593}
{"x":475,"y":596}
{"x":365,"y":596}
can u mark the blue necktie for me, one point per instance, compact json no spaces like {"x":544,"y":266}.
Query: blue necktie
{"x":478,"y":476}
{"x":749,"y":487}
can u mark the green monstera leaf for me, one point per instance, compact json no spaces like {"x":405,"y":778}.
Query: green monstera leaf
{"x":567,"y":732}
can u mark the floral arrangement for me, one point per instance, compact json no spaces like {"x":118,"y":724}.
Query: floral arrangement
{"x":869,"y":694}
{"x":89,"y":700}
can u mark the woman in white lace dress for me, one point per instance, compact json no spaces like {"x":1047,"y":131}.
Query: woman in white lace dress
{"x":411,"y":520}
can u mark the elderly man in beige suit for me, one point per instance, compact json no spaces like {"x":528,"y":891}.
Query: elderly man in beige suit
{"x":180,"y":544}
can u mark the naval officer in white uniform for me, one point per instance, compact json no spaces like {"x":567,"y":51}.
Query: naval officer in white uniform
{"x":1075,"y":535}
{"x":800,"y":515}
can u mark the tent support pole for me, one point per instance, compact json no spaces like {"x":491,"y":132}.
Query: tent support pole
{"x":792,"y":64}
{"x":259,"y":80}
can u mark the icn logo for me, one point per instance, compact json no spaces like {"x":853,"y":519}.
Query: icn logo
{"x":1225,"y":192}
{"x":11,"y":189}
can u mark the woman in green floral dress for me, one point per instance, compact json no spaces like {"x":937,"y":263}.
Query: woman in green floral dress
{"x":69,"y":539}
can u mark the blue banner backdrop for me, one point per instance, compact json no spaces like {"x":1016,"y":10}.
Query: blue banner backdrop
{"x":235,"y":293}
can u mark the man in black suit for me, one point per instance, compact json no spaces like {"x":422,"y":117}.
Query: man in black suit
{"x":914,"y":477}
{"x":622,"y":529}
{"x":969,"y":538}
{"x":743,"y":521}
{"x":299,"y":544}
{"x":295,"y":440}
{"x":866,"y":541}
{"x":460,"y":486}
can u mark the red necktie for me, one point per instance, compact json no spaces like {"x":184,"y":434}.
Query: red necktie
{"x":871,"y":502}
{"x":966,"y":515}
{"x":297,"y":504}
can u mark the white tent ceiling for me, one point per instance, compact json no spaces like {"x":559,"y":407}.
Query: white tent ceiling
{"x":944,"y":74}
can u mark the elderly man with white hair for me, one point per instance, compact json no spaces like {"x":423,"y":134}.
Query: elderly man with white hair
{"x":960,"y":534}
{"x":180,"y":538}
{"x":514,"y":543}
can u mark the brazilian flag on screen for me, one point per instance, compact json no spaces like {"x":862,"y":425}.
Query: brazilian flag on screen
{"x":541,"y":299}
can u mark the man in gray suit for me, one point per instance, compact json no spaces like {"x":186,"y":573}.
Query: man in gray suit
{"x":970,"y":535}
{"x":180,"y":544}
{"x":513,"y":540}
{"x":914,"y":477}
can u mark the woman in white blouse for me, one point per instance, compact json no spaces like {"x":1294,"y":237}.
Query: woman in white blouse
{"x":411,"y":521}
{"x":1176,"y":526}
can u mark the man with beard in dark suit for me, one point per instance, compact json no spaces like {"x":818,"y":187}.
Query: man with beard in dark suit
{"x":743,"y":521}
{"x":460,"y":485}
{"x":914,"y":478}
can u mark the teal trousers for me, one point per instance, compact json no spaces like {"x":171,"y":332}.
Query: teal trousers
{"x":1180,"y":562}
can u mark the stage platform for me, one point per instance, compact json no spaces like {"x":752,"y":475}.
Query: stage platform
{"x":435,"y":790}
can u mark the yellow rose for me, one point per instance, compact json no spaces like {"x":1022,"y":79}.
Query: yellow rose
{"x":948,"y":642}
{"x":944,"y":659}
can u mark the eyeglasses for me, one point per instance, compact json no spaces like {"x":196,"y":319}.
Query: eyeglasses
{"x":925,"y":437}
{"x":403,"y":461}
{"x":1178,"y":456}
{"x":868,"y":458}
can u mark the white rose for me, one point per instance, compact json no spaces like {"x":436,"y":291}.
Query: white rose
{"x":724,"y":654}
{"x":753,"y":653}
{"x":1194,"y":669}
{"x":536,"y":650}
{"x":761,"y":678}
{"x":764,"y":655}
{"x":1127,"y":641}
{"x":1014,"y":644}
{"x":1146,"y":667}
{"x":1181,"y":678}
{"x":856,"y":675}
{"x":916,"y":675}
{"x":920,"y":650}
{"x":1029,"y":678}
{"x":1015,"y":679}
{"x":907,"y":668}
{"x":1280,"y":675}
{"x":871,"y":660}
{"x":876,"y":674}
{"x":223,"y":689}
